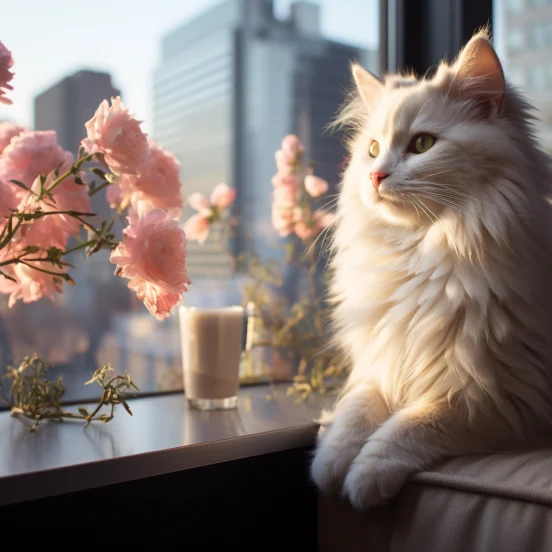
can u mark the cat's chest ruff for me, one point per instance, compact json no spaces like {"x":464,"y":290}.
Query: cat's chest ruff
{"x":428,"y":279}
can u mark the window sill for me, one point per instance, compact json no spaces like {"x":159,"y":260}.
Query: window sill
{"x":163,"y":436}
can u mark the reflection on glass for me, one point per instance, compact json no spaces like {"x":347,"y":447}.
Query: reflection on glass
{"x":523,"y":37}
{"x":228,"y":84}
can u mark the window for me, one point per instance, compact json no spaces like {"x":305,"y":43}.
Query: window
{"x":516,"y":76}
{"x":537,"y":78}
{"x":538,"y":36}
{"x":513,"y":7}
{"x":528,"y":63}
{"x":219,"y":98}
{"x":515,"y":40}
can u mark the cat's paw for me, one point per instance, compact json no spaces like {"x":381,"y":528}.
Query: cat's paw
{"x":332,"y":460}
{"x":373,"y":480}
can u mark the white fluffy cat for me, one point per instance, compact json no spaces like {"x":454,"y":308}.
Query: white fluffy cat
{"x":443,"y":258}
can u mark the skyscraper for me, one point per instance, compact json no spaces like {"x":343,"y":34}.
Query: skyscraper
{"x":68,"y":104}
{"x":527,"y":52}
{"x":230,"y":85}
{"x":66,"y":107}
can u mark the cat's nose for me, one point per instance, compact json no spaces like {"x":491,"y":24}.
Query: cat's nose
{"x":377,"y":177}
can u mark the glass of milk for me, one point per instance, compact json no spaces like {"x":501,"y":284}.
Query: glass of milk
{"x":212,"y":340}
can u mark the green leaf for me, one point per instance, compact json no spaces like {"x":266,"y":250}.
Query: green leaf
{"x":8,"y":276}
{"x":99,"y":172}
{"x":32,"y":249}
{"x":20,"y":184}
{"x":69,"y":280}
{"x":83,"y":411}
{"x":127,"y":408}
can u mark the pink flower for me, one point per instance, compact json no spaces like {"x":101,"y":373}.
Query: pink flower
{"x":117,"y":134}
{"x":304,"y":231}
{"x":200,"y":203}
{"x":291,"y":145}
{"x":283,"y":219}
{"x":30,"y":285}
{"x":6,"y":62}
{"x":197,"y":227}
{"x":222,"y":196}
{"x":152,"y":255}
{"x":53,"y":230}
{"x":280,"y":179}
{"x":158,"y":186}
{"x":114,"y":196}
{"x":320,"y":221}
{"x":284,"y":161}
{"x":7,"y":132}
{"x":285,"y":195}
{"x":31,"y":154}
{"x":8,"y":201}
{"x":316,"y":187}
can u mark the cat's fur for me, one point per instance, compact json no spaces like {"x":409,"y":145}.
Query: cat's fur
{"x":443,"y":279}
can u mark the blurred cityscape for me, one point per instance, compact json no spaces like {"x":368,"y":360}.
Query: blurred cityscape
{"x":229,"y":85}
{"x":525,"y":28}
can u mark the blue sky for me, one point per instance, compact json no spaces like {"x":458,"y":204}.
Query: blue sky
{"x":53,"y":38}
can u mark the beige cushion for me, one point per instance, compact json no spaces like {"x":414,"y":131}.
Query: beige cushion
{"x":499,"y":503}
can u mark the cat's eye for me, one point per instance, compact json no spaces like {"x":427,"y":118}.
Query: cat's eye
{"x":421,"y":143}
{"x":374,"y":150}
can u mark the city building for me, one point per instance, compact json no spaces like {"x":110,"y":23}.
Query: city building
{"x":231,"y":83}
{"x":65,"y":107}
{"x":69,"y":103}
{"x":526,"y":53}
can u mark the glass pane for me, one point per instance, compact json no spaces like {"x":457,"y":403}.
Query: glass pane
{"x":523,"y":39}
{"x":219,"y":84}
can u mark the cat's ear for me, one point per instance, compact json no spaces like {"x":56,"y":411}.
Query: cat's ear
{"x":479,"y":75}
{"x":369,"y":86}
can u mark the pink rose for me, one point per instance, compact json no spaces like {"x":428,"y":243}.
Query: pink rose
{"x":6,"y":62}
{"x":117,"y":134}
{"x":7,"y":132}
{"x":316,"y":187}
{"x":30,"y":285}
{"x":222,"y":196}
{"x":31,"y":154}
{"x":8,"y":202}
{"x":114,"y":196}
{"x":152,"y":255}
{"x":197,"y":227}
{"x":291,"y":145}
{"x":158,"y":186}
{"x":53,"y":230}
{"x":121,"y":193}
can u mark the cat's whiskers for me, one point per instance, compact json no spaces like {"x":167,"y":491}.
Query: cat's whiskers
{"x":412,"y":203}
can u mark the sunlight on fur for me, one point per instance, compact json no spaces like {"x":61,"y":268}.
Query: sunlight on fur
{"x":443,"y":249}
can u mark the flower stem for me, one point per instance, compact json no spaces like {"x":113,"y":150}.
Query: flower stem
{"x":51,"y":272}
{"x":73,"y":170}
{"x":77,"y":247}
{"x":11,"y":234}
{"x":101,"y":187}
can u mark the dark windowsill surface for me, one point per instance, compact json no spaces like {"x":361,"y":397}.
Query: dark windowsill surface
{"x":164,"y":435}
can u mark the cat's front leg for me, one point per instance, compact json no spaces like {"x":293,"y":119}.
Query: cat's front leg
{"x":343,"y":433}
{"x":409,"y":441}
